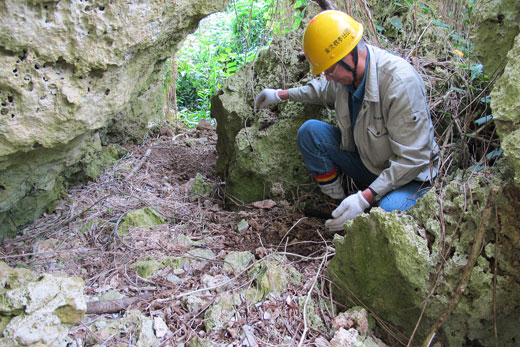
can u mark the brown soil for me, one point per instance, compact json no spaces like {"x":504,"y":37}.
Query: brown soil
{"x":80,"y":239}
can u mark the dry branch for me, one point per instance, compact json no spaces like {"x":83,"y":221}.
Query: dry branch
{"x":363,"y":4}
{"x":327,"y":5}
{"x":143,"y":160}
{"x":113,"y":306}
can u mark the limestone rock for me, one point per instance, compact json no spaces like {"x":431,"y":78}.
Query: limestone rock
{"x":194,"y":303}
{"x":198,"y":258}
{"x":352,"y":338}
{"x":354,"y":318}
{"x":200,"y":342}
{"x":505,"y":103}
{"x":309,"y":306}
{"x":36,"y":328}
{"x":199,"y":187}
{"x":134,"y":322}
{"x":388,"y":261}
{"x":144,"y":218}
{"x":74,"y":77}
{"x":149,"y":266}
{"x":38,"y":309}
{"x":273,"y":274}
{"x":242,"y":226}
{"x":496,"y":38}
{"x":160,"y":327}
{"x":222,"y":311}
{"x":236,"y":261}
{"x":497,"y":25}
{"x":219,"y":283}
{"x":390,"y":255}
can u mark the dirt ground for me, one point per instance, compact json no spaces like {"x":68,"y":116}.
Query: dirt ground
{"x":79,"y":239}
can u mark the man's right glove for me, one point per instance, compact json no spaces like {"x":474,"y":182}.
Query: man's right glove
{"x":267,"y":97}
{"x":349,"y":208}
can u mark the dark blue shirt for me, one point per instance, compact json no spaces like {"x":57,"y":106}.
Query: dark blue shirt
{"x":356,"y":95}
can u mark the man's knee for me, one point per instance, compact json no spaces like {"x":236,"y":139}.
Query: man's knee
{"x":306,"y":134}
{"x":403,"y":198}
{"x":400,"y":202}
{"x":307,"y":128}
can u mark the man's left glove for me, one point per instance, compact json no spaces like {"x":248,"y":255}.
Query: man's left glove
{"x":267,"y":97}
{"x":349,"y":208}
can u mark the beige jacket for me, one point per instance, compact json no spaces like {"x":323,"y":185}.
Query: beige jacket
{"x":393,"y":130}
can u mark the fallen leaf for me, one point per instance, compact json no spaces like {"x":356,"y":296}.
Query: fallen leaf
{"x":264,"y":204}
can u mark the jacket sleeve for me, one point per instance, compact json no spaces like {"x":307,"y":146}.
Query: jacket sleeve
{"x":317,"y":91}
{"x":410,"y":133}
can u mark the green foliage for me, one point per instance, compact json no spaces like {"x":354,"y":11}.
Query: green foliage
{"x":200,"y":70}
{"x":299,"y":13}
{"x":249,"y":23}
{"x":223,"y":43}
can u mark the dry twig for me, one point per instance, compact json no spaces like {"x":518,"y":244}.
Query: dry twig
{"x":141,"y":162}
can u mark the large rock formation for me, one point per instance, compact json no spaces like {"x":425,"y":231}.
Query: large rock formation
{"x":497,"y":43}
{"x":75,"y":76}
{"x":389,"y":262}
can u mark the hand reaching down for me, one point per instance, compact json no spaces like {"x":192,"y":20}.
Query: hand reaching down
{"x":349,"y":208}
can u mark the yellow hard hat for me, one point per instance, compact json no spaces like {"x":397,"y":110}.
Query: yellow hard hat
{"x":329,"y":37}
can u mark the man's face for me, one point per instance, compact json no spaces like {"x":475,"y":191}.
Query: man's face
{"x":338,"y":73}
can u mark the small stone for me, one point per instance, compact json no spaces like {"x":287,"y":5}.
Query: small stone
{"x":160,"y":327}
{"x":242,"y":226}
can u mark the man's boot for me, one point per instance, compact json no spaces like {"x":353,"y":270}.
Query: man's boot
{"x":334,"y":190}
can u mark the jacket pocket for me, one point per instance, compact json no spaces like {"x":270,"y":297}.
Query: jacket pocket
{"x":377,"y":130}
{"x":379,"y":150}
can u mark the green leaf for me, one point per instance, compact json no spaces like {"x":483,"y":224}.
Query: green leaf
{"x":440,"y":24}
{"x":483,"y":120}
{"x":425,"y":8}
{"x":396,"y":23}
{"x":476,"y":70}
{"x":494,"y":154}
{"x":457,"y":89}
{"x":486,"y":99}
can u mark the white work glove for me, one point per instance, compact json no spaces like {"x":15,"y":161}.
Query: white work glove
{"x":349,"y":208}
{"x":267,"y":97}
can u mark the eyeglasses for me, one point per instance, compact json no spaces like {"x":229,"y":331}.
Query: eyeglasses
{"x":330,"y":71}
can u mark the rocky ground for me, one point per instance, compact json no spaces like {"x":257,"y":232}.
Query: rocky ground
{"x":279,"y":295}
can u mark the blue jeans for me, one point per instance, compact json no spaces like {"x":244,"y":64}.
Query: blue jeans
{"x":319,"y":144}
